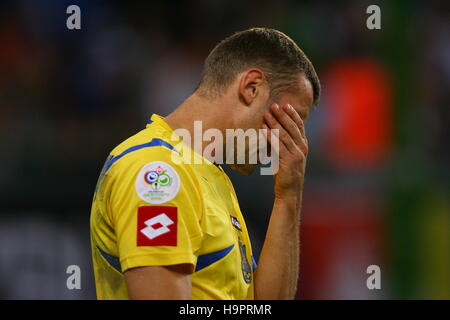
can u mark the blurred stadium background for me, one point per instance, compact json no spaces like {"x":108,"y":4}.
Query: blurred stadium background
{"x":377,"y":189}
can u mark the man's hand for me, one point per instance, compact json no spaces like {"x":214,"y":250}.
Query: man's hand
{"x":293,"y":149}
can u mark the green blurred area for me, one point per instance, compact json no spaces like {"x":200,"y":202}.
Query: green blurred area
{"x":418,"y":193}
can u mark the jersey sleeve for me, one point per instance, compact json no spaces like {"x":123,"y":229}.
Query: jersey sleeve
{"x":155,"y":209}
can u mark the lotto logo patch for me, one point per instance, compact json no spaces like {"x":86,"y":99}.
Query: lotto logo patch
{"x":157,"y":226}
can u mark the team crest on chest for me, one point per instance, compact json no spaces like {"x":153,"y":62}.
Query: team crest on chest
{"x":246,"y":268}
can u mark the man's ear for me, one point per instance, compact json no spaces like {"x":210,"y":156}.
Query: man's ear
{"x":250,"y":85}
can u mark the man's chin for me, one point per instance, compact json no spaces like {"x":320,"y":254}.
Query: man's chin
{"x":245,"y":169}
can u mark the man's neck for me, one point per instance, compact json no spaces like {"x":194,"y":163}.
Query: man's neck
{"x":211,"y":113}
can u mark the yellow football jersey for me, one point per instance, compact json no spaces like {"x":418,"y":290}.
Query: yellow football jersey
{"x":151,"y":209}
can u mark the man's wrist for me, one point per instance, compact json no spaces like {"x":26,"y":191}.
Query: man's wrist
{"x":289,"y":195}
{"x":289,"y":200}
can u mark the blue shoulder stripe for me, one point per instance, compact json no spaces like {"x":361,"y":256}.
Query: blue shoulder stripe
{"x":254,"y":265}
{"x":154,"y":143}
{"x":112,"y":260}
{"x":207,"y":259}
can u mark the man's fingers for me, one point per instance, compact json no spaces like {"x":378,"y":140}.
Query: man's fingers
{"x":291,"y":119}
{"x":287,"y":122}
{"x":283,"y":136}
{"x":270,"y":135}
{"x":299,"y":121}
{"x":296,"y":117}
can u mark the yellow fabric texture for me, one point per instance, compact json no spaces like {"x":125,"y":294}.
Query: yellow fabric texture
{"x":211,"y":233}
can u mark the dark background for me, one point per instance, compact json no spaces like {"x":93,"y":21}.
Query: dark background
{"x":377,"y":188}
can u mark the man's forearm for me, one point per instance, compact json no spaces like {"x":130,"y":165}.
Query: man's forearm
{"x":277,"y":273}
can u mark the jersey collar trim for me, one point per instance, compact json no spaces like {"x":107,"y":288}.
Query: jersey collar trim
{"x":160,"y":121}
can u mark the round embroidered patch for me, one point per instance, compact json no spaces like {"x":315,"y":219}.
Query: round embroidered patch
{"x":157,"y":182}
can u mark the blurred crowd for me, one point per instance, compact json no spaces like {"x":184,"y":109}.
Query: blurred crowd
{"x":377,"y":188}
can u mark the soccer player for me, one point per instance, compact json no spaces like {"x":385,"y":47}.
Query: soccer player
{"x":162,"y":228}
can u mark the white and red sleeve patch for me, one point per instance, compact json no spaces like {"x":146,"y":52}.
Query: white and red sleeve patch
{"x":157,"y":226}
